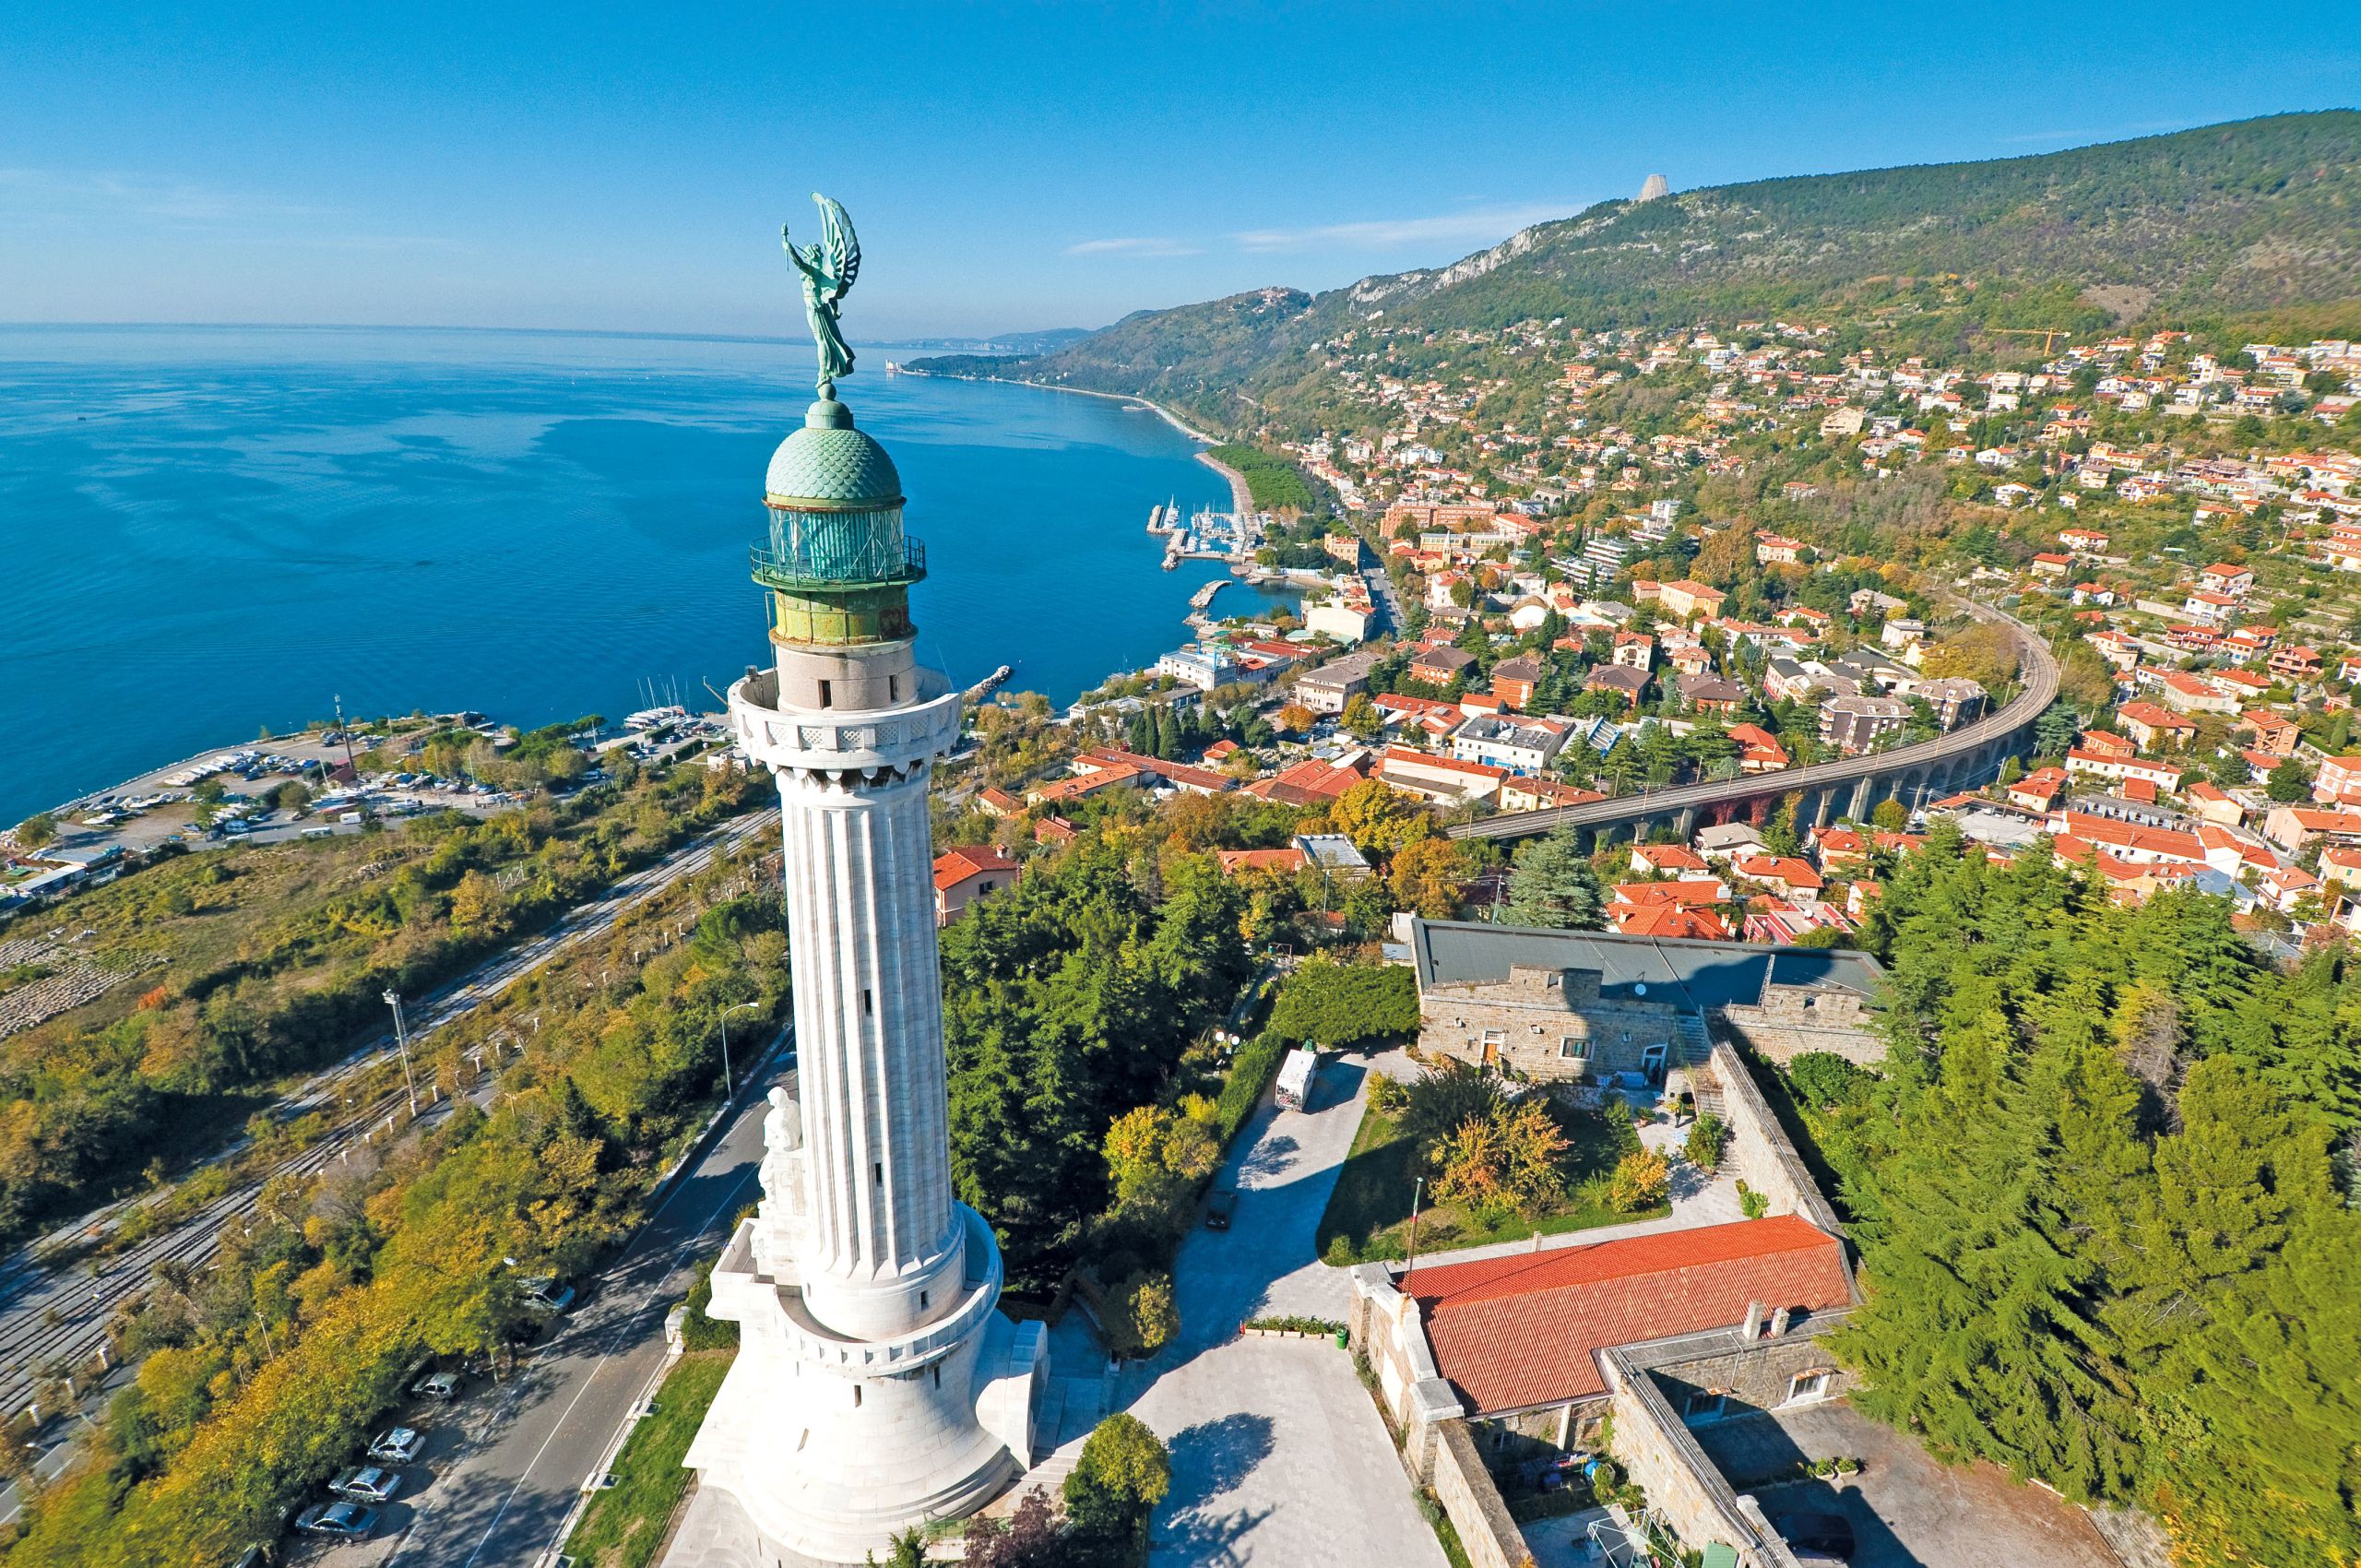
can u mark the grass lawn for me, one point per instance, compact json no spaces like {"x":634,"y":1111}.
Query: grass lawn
{"x":1369,"y":1209}
{"x":624,"y":1526}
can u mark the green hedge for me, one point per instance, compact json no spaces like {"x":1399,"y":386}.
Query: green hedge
{"x":1344,"y":1005}
{"x":1256,"y":1063}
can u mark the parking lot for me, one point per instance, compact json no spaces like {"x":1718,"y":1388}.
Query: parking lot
{"x":1279,"y":1456}
{"x":1908,"y":1511}
{"x":449,"y":1430}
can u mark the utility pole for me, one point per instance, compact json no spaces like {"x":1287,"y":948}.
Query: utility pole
{"x":1418,"y":1185}
{"x":728,"y":1077}
{"x":345,"y":730}
{"x":401,"y":1042}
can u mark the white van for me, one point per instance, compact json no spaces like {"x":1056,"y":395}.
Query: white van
{"x":1294,"y":1091}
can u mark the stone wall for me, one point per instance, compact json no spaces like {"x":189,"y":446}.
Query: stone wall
{"x":1792,"y":1019}
{"x":1384,"y":1326}
{"x":1681,"y":1483}
{"x":1758,"y":1152}
{"x":1551,"y":1025}
{"x":1464,"y":1489}
{"x":1749,"y":1377}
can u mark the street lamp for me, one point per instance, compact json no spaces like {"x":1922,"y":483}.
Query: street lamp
{"x":729,"y":1078}
{"x":401,"y":1041}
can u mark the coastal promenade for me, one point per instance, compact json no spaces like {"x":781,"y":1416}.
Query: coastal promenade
{"x":1968,"y":757}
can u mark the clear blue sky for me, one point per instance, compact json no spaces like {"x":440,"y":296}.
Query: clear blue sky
{"x":1008,"y":167}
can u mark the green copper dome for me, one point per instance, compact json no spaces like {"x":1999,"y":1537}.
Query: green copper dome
{"x":828,"y":465}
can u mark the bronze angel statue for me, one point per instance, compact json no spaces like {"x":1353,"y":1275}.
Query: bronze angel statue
{"x":828,"y":269}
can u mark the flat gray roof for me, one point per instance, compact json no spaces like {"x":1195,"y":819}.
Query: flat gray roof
{"x":1692,"y":974}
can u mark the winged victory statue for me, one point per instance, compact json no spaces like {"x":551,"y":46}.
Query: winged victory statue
{"x":828,"y":269}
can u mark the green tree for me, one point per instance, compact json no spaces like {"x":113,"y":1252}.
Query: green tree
{"x":1123,"y":1474}
{"x":2288,"y":783}
{"x":37,"y":831}
{"x":1553,"y":885}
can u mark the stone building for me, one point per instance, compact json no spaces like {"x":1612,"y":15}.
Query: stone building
{"x":1574,"y":1005}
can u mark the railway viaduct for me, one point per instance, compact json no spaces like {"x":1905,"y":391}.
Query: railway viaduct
{"x":1969,"y":756}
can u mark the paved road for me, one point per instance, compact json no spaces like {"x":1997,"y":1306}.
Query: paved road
{"x":1279,"y":1455}
{"x":504,"y":1485}
{"x":2040,"y":691}
{"x":59,"y":1315}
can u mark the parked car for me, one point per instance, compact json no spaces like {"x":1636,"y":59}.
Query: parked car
{"x":346,"y":1521}
{"x":369,"y":1484}
{"x":548,"y":1295}
{"x":1817,"y":1538}
{"x":398,"y":1446}
{"x":1219,"y":1206}
{"x":437,"y":1386}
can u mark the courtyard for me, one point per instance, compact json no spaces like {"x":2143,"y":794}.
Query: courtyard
{"x":1907,"y":1509}
{"x":1279,"y":1456}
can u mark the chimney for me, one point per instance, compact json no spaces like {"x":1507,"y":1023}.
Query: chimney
{"x":1753,"y":1329}
{"x":1778,"y":1322}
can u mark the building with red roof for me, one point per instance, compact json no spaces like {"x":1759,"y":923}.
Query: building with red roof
{"x":1520,"y":1332}
{"x":968,"y":873}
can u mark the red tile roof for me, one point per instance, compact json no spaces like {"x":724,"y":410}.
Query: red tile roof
{"x":1511,"y":1332}
{"x":956,"y":865}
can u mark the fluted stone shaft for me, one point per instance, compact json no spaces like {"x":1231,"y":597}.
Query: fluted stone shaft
{"x":883,"y":1249}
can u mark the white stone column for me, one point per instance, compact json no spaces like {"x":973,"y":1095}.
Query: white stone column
{"x":883,"y":1248}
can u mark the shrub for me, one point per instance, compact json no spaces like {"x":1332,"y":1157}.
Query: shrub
{"x":1823,"y":1080}
{"x":699,"y":1332}
{"x":1387,"y":1096}
{"x":1708,"y":1136}
{"x":1641,"y":1182}
{"x":1751,"y":1204}
{"x":1445,"y":1099}
{"x":1141,"y":1317}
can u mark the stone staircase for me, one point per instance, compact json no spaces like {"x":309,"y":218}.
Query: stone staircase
{"x":1695,"y":1048}
{"x":1695,"y":1038}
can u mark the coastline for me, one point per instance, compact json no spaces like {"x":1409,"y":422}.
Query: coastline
{"x":1175,"y":420}
{"x":1241,"y":497}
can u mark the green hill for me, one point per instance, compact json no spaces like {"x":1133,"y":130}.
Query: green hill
{"x":2229,"y":220}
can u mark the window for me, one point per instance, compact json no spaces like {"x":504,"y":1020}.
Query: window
{"x":878,"y":1170}
{"x":856,"y":1396}
{"x":1704,"y":1404}
{"x":1805,"y":1387}
{"x":828,"y":695}
{"x":892,"y":688}
{"x":867,"y":1007}
{"x":922,"y":1301}
{"x":1573,"y":1047}
{"x":938,"y":1374}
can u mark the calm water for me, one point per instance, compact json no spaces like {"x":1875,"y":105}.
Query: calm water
{"x":208,"y":531}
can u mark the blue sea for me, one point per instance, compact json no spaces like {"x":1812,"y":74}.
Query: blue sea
{"x":207,"y":531}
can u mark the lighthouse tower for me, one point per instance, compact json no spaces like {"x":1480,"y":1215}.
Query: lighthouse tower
{"x":877,"y":1384}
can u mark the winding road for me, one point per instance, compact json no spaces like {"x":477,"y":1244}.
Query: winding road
{"x":1964,"y":756}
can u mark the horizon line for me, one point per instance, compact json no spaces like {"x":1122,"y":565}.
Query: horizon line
{"x":643,"y":333}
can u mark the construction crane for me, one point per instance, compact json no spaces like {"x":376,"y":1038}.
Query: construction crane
{"x":2048,"y":335}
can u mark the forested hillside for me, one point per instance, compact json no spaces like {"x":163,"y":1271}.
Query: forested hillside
{"x":2096,"y":1188}
{"x":2253,"y":217}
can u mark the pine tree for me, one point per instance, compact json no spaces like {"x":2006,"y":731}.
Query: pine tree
{"x":1553,"y":885}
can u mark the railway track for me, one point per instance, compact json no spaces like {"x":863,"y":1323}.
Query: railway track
{"x":55,"y":1316}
